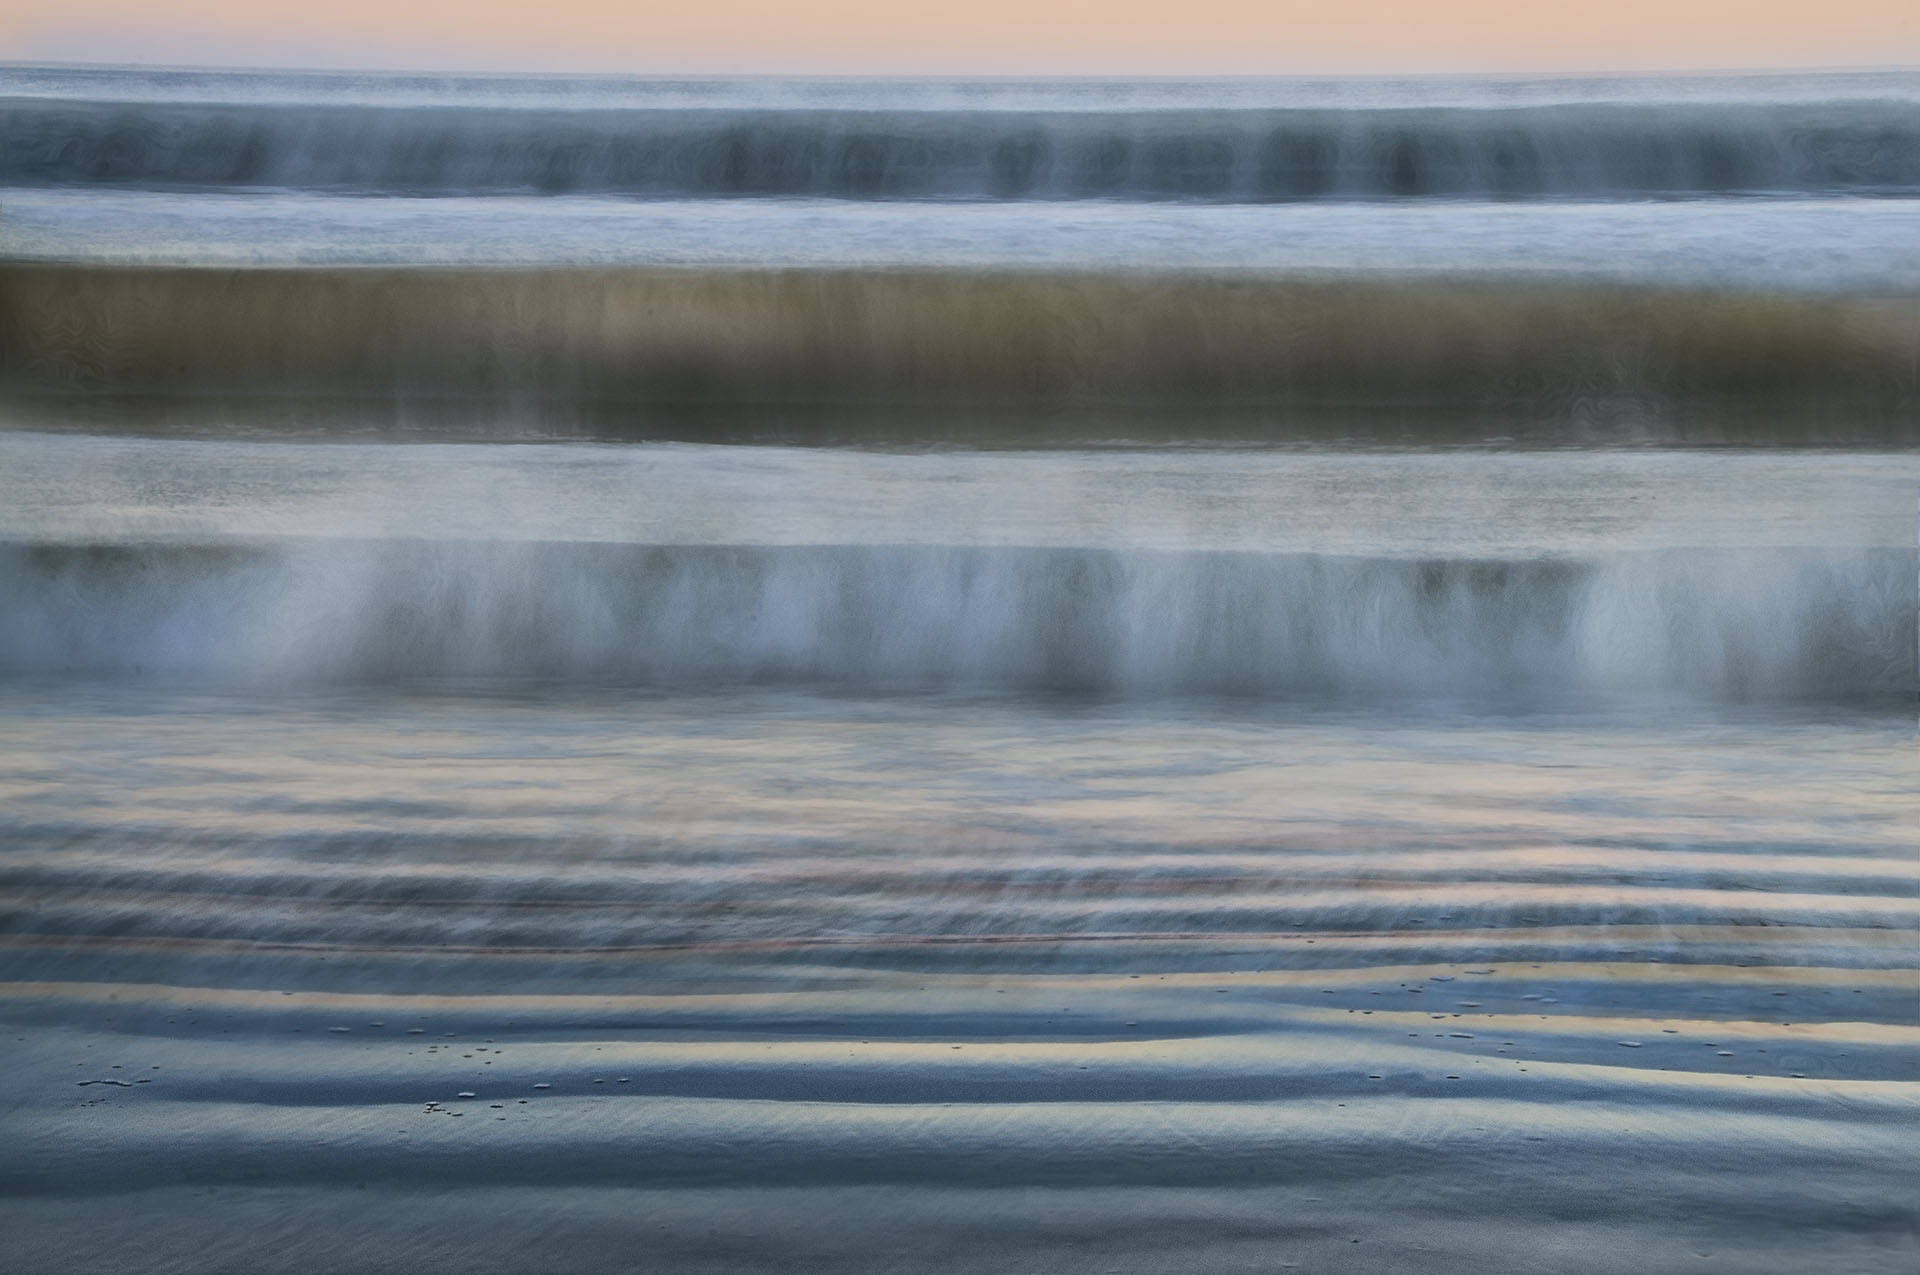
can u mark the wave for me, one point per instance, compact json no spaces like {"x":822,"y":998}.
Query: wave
{"x":1720,"y":624}
{"x":1619,"y":149}
{"x":640,"y":353}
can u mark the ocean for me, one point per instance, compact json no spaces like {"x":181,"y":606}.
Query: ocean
{"x":1139,"y":676}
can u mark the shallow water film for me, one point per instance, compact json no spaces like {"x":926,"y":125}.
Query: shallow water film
{"x":896,"y":676}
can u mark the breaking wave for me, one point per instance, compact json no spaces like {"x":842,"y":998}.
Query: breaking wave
{"x":1720,"y":624}
{"x":628,"y":348}
{"x":1602,"y":150}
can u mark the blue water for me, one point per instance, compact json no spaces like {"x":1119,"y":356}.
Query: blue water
{"x":989,"y":847}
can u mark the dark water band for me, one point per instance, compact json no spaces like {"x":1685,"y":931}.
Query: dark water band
{"x":931,"y":356}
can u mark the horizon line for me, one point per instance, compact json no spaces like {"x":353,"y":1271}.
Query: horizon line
{"x":1642,"y":73}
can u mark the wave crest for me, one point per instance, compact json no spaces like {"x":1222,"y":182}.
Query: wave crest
{"x":1721,"y":624}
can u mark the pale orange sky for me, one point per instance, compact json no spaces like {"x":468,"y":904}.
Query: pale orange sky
{"x":983,"y":37}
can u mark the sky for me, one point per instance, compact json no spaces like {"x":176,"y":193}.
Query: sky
{"x":1175,"y":37}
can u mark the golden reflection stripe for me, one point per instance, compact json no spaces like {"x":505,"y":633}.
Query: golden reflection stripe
{"x":1070,"y":898}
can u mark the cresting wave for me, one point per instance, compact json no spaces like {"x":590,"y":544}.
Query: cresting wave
{"x":1725,"y":624}
{"x":1596,"y":150}
{"x":642,"y":352}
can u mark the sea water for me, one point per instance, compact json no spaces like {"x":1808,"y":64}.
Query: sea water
{"x":1365,"y":750}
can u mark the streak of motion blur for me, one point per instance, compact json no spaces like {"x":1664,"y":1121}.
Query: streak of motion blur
{"x":975,"y":676}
